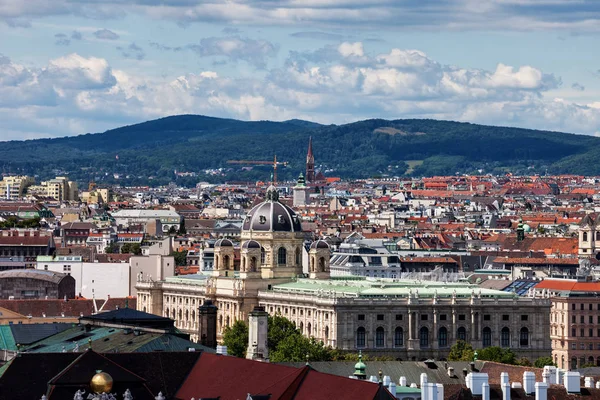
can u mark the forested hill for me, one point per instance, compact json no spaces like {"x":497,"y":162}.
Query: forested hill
{"x":150,"y":152}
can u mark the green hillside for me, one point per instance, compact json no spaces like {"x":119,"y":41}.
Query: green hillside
{"x":191,"y":143}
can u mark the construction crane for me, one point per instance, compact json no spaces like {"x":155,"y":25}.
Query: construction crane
{"x":275,"y":163}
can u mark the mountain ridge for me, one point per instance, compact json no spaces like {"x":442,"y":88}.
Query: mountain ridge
{"x":150,"y":152}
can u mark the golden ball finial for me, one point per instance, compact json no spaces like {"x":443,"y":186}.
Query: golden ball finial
{"x":101,"y":383}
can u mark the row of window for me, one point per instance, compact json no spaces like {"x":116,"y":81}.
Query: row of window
{"x":582,"y":319}
{"x":424,"y":339}
{"x":444,"y":317}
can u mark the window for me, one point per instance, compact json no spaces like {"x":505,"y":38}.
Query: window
{"x":505,"y":337}
{"x":361,"y":336}
{"x":582,"y":332}
{"x":443,"y":337}
{"x":573,"y":346}
{"x":573,"y":306}
{"x":461,"y":334}
{"x":582,"y":346}
{"x":487,"y":337}
{"x":591,"y":319}
{"x":281,"y":256}
{"x":424,"y":337}
{"x":379,"y":337}
{"x":423,"y":317}
{"x":581,"y":306}
{"x":585,"y":236}
{"x":361,"y":317}
{"x":486,"y":317}
{"x":443,"y":317}
{"x":590,"y":306}
{"x":461,"y":317}
{"x":581,"y":319}
{"x":573,"y":319}
{"x":398,"y":317}
{"x":46,"y":267}
{"x":524,"y":317}
{"x":524,"y":337}
{"x":262,"y":255}
{"x":66,"y":268}
{"x":379,"y":317}
{"x":505,"y":317}
{"x":398,"y":337}
{"x":573,"y":332}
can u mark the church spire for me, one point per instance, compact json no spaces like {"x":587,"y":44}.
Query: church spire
{"x":310,"y":163}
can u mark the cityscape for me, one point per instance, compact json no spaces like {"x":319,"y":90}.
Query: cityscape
{"x":299,"y":200}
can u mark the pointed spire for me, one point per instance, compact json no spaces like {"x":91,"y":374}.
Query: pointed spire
{"x":310,"y":151}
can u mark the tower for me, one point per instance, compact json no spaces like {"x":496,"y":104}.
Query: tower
{"x":319,"y":260}
{"x":257,"y":335}
{"x":310,"y":163}
{"x":207,"y":324}
{"x":224,"y":258}
{"x":301,"y":196}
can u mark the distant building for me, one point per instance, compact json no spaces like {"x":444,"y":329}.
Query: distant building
{"x":59,"y":188}
{"x":35,"y":284}
{"x":13,"y":187}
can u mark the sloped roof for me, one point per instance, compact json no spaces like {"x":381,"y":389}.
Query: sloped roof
{"x":42,"y":275}
{"x":29,"y":333}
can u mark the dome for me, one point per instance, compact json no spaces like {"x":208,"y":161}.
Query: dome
{"x":319,"y":244}
{"x":251,"y":244}
{"x":101,"y":383}
{"x":223,"y":243}
{"x":272,"y":216}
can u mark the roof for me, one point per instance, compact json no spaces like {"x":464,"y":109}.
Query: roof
{"x":145,"y":214}
{"x":28,"y":333}
{"x":49,"y":276}
{"x":213,"y":375}
{"x":568,"y":285}
{"x":25,"y":240}
{"x":130,"y":316}
{"x":58,"y":307}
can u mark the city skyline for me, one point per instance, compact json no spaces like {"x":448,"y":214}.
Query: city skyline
{"x":69,"y":68}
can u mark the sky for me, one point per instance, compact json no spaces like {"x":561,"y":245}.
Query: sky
{"x":70,"y":67}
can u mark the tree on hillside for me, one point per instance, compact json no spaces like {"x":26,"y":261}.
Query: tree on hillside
{"x":235,"y":338}
{"x":461,"y":351}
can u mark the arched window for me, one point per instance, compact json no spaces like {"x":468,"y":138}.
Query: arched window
{"x":302,"y":328}
{"x":187,"y":315}
{"x":461,"y":334}
{"x":591,"y":360}
{"x":281,"y":256}
{"x":379,"y":337}
{"x":424,"y":337}
{"x":398,"y":337}
{"x":573,"y":363}
{"x":487,"y":337}
{"x":253,"y":264}
{"x":298,"y":253}
{"x":262,"y":255}
{"x":524,"y":337}
{"x":193,"y":316}
{"x":598,"y":362}
{"x":443,"y":337}
{"x":227,"y":321}
{"x":505,"y":337}
{"x":361,"y":337}
{"x":308,"y":329}
{"x":322,"y":264}
{"x":326,"y":333}
{"x":226,"y":262}
{"x":585,"y":237}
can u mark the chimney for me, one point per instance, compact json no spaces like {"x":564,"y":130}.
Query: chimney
{"x":386,"y":381}
{"x":440,"y":391}
{"x":552,"y":371}
{"x":431,"y":390}
{"x":589,"y":382}
{"x":485,"y":391}
{"x":529,"y":382}
{"x":474,"y":382}
{"x":402,"y":381}
{"x":207,"y":324}
{"x":546,"y":377}
{"x":392,"y":389}
{"x":560,"y":375}
{"x":450,"y":372}
{"x":505,"y":391}
{"x":504,"y":378}
{"x":423,"y":380}
{"x":541,"y":391}
{"x":572,"y":382}
{"x":598,"y":385}
{"x":222,"y":350}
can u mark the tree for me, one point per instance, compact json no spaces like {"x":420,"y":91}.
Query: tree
{"x":296,"y":348}
{"x":543,"y":361}
{"x":131,"y":248}
{"x":112,"y":248}
{"x":461,"y":351}
{"x":279,"y":329}
{"x":182,"y":230}
{"x":235,"y":338}
{"x":180,"y":257}
{"x":498,"y":354}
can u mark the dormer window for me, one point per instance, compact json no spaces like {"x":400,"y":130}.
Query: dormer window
{"x":280,"y":219}
{"x":262,"y":219}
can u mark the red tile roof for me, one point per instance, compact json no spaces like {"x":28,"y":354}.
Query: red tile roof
{"x":568,"y":285}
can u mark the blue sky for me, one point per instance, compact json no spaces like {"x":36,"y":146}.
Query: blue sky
{"x":69,"y":67}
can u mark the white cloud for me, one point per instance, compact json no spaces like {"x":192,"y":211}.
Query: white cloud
{"x":236,"y":48}
{"x":75,"y":94}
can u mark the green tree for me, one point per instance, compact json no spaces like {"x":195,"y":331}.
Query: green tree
{"x":182,"y":230}
{"x":235,"y":338}
{"x":112,"y":248}
{"x":461,"y":351}
{"x":296,"y":348}
{"x":180,"y":257}
{"x":131,"y":248}
{"x":279,"y":329}
{"x":543,"y":361}
{"x":498,"y":354}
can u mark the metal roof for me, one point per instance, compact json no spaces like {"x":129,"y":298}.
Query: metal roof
{"x":49,"y":276}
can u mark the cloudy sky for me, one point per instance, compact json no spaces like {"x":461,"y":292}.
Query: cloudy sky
{"x":75,"y":66}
